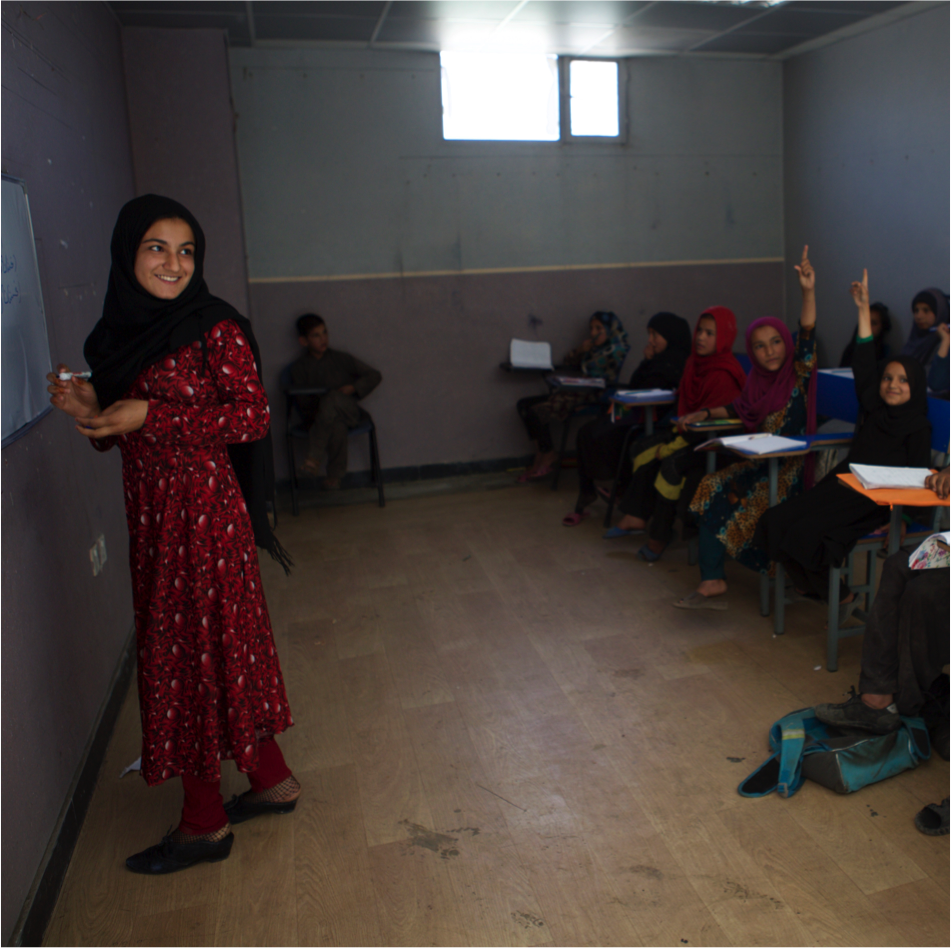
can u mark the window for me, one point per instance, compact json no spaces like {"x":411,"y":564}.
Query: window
{"x":593,"y":93}
{"x":506,"y":96}
{"x":500,"y":96}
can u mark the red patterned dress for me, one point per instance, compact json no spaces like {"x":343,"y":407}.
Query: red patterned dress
{"x":209,"y":678}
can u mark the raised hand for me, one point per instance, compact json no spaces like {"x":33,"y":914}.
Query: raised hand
{"x":859,"y":291}
{"x":807,"y":276}
{"x":76,"y":397}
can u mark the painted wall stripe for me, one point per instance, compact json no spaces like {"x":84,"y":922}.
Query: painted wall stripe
{"x":495,"y":270}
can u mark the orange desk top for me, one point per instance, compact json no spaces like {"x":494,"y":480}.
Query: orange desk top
{"x":889,"y":498}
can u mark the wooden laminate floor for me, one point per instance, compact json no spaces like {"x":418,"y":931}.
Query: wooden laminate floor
{"x":507,"y":736}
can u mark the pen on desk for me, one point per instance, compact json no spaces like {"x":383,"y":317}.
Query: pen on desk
{"x":66,"y":376}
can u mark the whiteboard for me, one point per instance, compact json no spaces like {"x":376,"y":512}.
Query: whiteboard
{"x":26,"y":351}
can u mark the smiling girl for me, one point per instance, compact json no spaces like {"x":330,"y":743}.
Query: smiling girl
{"x":176,"y":386}
{"x":817,"y":530}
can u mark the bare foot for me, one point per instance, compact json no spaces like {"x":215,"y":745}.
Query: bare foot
{"x":712,"y":587}
{"x":627,"y":522}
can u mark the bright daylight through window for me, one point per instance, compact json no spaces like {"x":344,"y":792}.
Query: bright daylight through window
{"x":506,"y":96}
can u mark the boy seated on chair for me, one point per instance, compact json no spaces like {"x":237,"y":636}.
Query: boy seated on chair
{"x":330,"y":416}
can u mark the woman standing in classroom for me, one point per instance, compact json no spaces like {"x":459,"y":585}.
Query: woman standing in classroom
{"x":175,"y":384}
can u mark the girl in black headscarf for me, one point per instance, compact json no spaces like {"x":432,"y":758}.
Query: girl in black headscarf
{"x":600,"y":442}
{"x":817,"y":529}
{"x":881,"y":327}
{"x":176,"y":384}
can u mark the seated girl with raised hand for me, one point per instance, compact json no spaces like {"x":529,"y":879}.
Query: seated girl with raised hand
{"x":816,"y":530}
{"x":881,"y":326}
{"x":665,"y":462}
{"x":778,"y":398}
{"x":601,"y":356}
{"x":600,"y":442}
{"x":929,"y":310}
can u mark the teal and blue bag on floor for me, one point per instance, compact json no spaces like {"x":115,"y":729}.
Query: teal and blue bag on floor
{"x":844,"y":760}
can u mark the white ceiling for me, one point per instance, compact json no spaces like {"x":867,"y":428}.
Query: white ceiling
{"x":567,"y":27}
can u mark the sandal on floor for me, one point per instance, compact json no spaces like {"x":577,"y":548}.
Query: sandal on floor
{"x":697,"y":601}
{"x":615,"y":533}
{"x":573,"y":519}
{"x":604,"y":494}
{"x":543,"y":471}
{"x":933,"y":819}
{"x":646,"y":553}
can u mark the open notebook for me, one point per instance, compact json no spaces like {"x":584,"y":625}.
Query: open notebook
{"x":756,"y":443}
{"x":530,"y":355}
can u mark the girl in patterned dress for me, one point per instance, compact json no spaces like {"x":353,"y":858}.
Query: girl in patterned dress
{"x":176,"y":386}
{"x":601,"y":356}
{"x":776,"y":398}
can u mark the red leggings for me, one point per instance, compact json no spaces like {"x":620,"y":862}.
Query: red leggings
{"x":203,"y":810}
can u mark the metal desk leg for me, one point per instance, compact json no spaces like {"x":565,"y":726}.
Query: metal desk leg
{"x":764,"y":594}
{"x":779,"y":602}
{"x":764,"y":582}
{"x":648,"y":421}
{"x":711,"y":461}
{"x":773,"y":481}
{"x":894,"y":530}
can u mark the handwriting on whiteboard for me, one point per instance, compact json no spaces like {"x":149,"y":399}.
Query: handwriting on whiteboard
{"x":11,"y":288}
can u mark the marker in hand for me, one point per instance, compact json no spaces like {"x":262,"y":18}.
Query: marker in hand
{"x":66,"y":376}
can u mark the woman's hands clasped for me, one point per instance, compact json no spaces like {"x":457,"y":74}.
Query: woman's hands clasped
{"x":78,"y":399}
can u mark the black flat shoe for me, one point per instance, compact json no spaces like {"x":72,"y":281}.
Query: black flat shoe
{"x":240,"y":808}
{"x":169,"y":856}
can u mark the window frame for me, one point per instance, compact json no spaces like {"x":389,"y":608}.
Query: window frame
{"x":564,"y":101}
{"x":564,"y":112}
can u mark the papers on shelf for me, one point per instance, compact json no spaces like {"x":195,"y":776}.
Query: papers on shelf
{"x":575,"y":381}
{"x":635,"y":395}
{"x":756,"y":443}
{"x":877,"y":477}
{"x":530,"y":355}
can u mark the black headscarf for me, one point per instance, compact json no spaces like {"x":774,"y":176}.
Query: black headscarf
{"x":882,"y":435}
{"x":667,"y":367}
{"x":881,"y":346}
{"x":137,"y":330}
{"x":921,"y":343}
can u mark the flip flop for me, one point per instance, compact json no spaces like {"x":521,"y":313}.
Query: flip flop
{"x":573,"y":519}
{"x":615,"y":533}
{"x":933,"y":819}
{"x":604,"y":493}
{"x":697,"y":601}
{"x":534,"y":476}
{"x":646,"y":553}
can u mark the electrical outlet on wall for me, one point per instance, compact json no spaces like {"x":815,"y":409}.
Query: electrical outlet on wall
{"x":97,"y":555}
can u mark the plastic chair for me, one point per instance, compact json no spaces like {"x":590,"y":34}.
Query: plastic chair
{"x":297,"y":431}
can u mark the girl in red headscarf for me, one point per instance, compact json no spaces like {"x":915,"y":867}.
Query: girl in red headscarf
{"x":665,"y":464}
{"x":776,"y":399}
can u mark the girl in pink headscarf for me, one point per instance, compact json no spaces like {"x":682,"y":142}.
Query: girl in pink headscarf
{"x":777,"y":399}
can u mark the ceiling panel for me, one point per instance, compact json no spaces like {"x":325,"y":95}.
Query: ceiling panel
{"x":398,"y":29}
{"x":635,"y":27}
{"x":696,"y":16}
{"x":226,"y":6}
{"x":371,"y":8}
{"x":606,"y":13}
{"x":637,"y":39}
{"x":763,"y":44}
{"x":868,"y":7}
{"x":804,"y":22}
{"x":314,"y":28}
{"x":452,"y":9}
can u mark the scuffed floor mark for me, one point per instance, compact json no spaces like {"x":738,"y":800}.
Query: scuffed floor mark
{"x":429,"y":839}
{"x":650,"y":872}
{"x":527,"y":920}
{"x":736,"y":760}
{"x":471,"y":830}
{"x":632,"y":673}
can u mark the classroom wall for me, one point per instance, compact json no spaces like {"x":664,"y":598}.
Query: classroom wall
{"x":65,"y":132}
{"x":182,"y":128}
{"x":866,"y":134}
{"x":427,"y":256}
